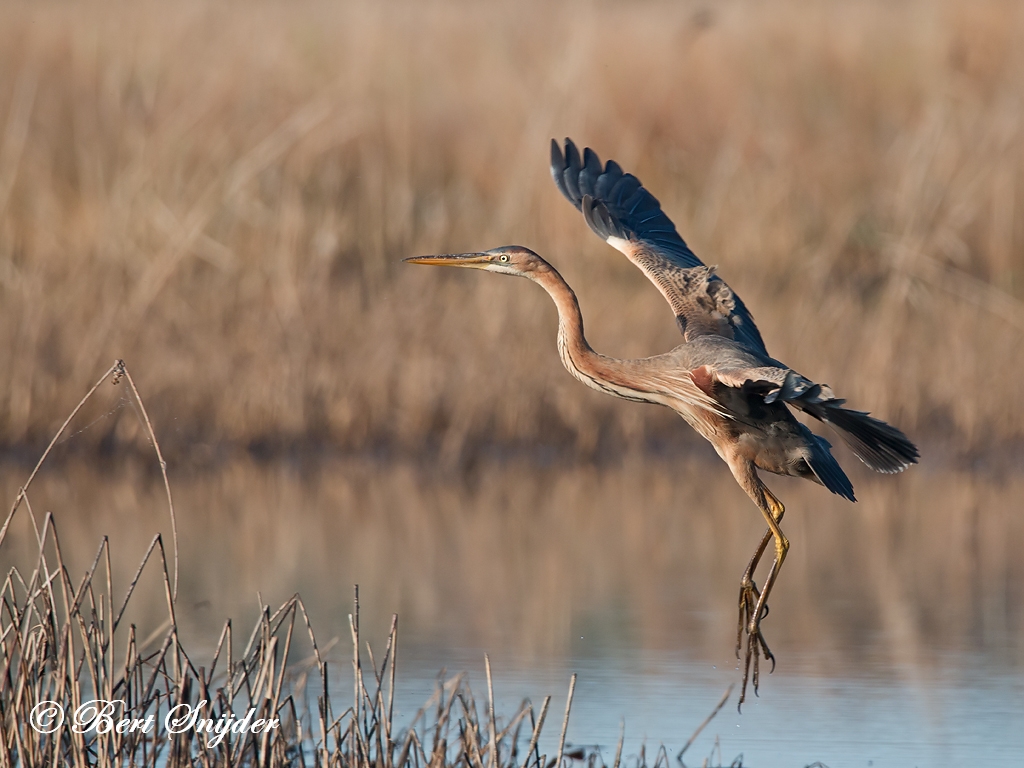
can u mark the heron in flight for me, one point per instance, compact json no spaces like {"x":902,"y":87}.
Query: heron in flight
{"x":721,"y":379}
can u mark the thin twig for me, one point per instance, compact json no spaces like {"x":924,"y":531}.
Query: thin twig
{"x":24,"y":489}
{"x":123,"y":369}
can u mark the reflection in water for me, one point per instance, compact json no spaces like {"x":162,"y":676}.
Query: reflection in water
{"x":895,"y":620}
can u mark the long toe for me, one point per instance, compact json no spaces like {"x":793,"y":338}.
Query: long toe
{"x":749,"y":656}
{"x":757,"y":664}
{"x":755,"y":649}
{"x":747,"y":604}
{"x":768,"y":655}
{"x":741,"y":624}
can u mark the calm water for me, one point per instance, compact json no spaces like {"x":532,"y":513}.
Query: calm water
{"x":896,"y":622}
{"x":960,"y":712}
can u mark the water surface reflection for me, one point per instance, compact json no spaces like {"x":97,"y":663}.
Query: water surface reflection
{"x":896,"y":621}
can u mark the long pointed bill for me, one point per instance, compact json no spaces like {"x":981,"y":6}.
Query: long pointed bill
{"x":477,"y":260}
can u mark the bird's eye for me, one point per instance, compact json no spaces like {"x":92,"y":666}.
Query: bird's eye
{"x":504,"y":257}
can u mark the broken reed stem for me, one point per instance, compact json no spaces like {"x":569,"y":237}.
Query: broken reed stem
{"x":622,"y":738}
{"x":536,"y":732}
{"x":353,"y":621}
{"x":391,"y":684}
{"x":565,"y":720}
{"x":708,"y":719}
{"x":490,"y":708}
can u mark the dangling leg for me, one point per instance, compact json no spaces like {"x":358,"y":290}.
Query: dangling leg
{"x":773,"y":510}
{"x":755,"y":642}
{"x":749,"y":594}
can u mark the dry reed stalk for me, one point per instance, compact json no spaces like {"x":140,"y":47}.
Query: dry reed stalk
{"x":490,"y":713}
{"x":703,"y":725}
{"x":565,"y":720}
{"x":122,"y":370}
{"x":538,"y":726}
{"x":42,"y":459}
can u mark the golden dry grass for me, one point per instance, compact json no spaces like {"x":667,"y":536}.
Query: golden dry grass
{"x":73,"y":683}
{"x":220,"y":193}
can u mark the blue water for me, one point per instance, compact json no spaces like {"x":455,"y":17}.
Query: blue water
{"x":960,"y":711}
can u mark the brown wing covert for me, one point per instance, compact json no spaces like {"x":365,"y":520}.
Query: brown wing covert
{"x":621,"y":211}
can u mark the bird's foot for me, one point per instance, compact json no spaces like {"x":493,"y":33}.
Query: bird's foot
{"x":756,"y":647}
{"x":749,"y":595}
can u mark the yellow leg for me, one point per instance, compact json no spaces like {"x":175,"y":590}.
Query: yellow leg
{"x":773,"y":510}
{"x":753,"y":604}
{"x":749,"y":595}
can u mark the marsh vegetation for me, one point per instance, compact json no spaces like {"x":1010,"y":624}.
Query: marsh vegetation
{"x":220,"y":194}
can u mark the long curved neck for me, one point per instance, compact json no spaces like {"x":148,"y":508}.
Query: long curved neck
{"x":571,"y":340}
{"x":594,"y":370}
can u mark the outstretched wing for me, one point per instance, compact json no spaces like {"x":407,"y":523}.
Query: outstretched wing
{"x":623,"y":213}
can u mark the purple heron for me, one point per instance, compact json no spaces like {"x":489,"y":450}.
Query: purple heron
{"x":721,"y":379}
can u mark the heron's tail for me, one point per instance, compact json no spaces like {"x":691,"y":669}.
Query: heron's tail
{"x":827,"y":469}
{"x":879,"y":445}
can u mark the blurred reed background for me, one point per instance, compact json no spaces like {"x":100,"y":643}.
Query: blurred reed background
{"x":220,"y":194}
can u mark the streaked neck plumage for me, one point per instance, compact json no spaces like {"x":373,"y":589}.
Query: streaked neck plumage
{"x":595,"y":370}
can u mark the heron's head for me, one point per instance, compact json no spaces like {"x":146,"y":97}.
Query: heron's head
{"x":508,"y":260}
